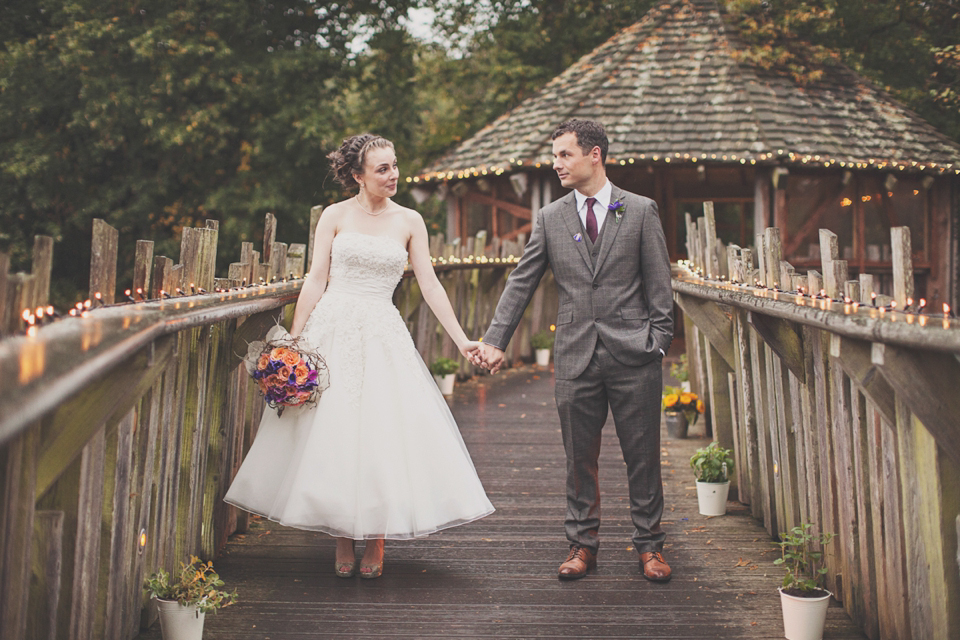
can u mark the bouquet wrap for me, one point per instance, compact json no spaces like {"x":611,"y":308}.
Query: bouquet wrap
{"x":288,"y":373}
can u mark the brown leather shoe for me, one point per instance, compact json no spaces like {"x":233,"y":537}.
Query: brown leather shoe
{"x":578,"y":562}
{"x":654,"y":567}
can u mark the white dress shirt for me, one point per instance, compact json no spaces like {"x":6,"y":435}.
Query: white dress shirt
{"x":599,"y":207}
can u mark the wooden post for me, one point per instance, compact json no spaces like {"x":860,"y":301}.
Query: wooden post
{"x":269,"y":236}
{"x":829,"y":251}
{"x":142,"y":266}
{"x":42,"y":267}
{"x":902,"y":265}
{"x":103,"y":261}
{"x":314,"y":219}
{"x":774,"y":254}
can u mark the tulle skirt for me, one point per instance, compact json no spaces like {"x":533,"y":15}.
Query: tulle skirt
{"x":380,"y":455}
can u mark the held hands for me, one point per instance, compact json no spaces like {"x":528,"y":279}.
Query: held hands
{"x":471,"y":350}
{"x":492,"y":357}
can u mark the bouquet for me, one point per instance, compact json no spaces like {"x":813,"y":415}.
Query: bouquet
{"x":684,"y":402}
{"x":288,"y":374}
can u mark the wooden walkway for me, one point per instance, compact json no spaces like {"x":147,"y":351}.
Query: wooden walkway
{"x":496,"y":578}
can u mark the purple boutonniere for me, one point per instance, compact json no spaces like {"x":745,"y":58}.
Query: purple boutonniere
{"x":617,"y":208}
{"x":577,"y":237}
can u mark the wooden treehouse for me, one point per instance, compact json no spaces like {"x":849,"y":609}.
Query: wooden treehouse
{"x":688,"y":123}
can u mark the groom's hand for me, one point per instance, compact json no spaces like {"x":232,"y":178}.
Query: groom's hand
{"x":492,"y":357}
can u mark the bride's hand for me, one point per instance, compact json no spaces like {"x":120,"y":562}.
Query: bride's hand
{"x":471,"y":351}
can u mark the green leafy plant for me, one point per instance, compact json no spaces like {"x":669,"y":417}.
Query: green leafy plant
{"x":802,"y":560}
{"x":542,"y":339}
{"x":444,"y":366}
{"x":197,"y":584}
{"x":712,"y":463}
{"x":680,"y":371}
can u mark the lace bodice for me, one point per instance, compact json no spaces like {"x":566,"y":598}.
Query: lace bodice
{"x":366,"y":265}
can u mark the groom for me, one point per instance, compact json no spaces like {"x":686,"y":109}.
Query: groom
{"x":607,"y":251}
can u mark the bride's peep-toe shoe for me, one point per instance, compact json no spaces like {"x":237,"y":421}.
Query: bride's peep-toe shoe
{"x":371,"y":571}
{"x":345,"y":569}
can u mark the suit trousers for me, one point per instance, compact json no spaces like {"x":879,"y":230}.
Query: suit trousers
{"x":633,"y":395}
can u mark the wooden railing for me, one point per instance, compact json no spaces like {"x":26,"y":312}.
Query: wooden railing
{"x":843,"y":411}
{"x":121,"y":429}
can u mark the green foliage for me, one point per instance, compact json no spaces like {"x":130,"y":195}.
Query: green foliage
{"x":802,"y":556}
{"x":157,"y":115}
{"x":909,"y":48}
{"x":712,"y":463}
{"x":444,"y":367}
{"x":680,"y":371}
{"x":542,"y":339}
{"x":198,"y":584}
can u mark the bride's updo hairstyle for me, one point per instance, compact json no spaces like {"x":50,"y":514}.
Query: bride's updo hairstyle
{"x":349,"y":158}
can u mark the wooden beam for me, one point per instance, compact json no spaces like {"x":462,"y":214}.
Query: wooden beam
{"x":927,"y":382}
{"x":714,"y":323}
{"x":516,"y":210}
{"x":854,"y":358}
{"x":78,"y":419}
{"x":253,"y":328}
{"x":784,"y":338}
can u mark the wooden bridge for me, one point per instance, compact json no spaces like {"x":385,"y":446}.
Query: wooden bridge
{"x":121,"y":429}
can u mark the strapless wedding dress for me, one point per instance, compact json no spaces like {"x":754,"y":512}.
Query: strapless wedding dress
{"x":380,"y":454}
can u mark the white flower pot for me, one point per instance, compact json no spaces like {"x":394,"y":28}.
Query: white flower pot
{"x":803,"y":618}
{"x":712,"y":497}
{"x":446,"y":383}
{"x":180,"y":622}
{"x":543,"y":357}
{"x":685,"y":386}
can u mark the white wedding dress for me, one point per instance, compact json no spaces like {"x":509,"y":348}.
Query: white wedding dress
{"x":380,"y":455}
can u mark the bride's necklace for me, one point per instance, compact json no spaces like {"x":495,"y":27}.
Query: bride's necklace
{"x":367,"y":211}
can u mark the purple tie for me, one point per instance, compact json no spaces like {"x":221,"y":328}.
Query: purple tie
{"x":591,"y":220}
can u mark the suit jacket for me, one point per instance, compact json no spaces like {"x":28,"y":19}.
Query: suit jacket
{"x":626,"y":299}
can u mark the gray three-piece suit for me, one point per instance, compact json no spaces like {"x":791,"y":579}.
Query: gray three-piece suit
{"x":615,"y":317}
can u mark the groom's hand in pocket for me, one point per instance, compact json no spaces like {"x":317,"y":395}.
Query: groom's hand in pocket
{"x":492,"y":357}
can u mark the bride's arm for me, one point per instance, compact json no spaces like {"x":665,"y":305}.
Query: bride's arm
{"x":316,"y":282}
{"x":430,"y":287}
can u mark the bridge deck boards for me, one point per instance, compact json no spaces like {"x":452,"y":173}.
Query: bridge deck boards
{"x":497,"y":577}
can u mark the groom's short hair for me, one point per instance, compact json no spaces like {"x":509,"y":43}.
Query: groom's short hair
{"x":589,"y":134}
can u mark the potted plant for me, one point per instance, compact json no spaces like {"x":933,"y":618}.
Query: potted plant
{"x":542,"y":343}
{"x":444,"y":371}
{"x":183,"y":600}
{"x":803,"y":598}
{"x":712,"y":466}
{"x":681,"y":408}
{"x":680,"y":371}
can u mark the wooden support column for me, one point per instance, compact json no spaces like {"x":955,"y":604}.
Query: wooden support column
{"x":47,"y":558}
{"x":721,"y":417}
{"x":926,"y":382}
{"x":931,"y":496}
{"x":750,"y":462}
{"x":766,"y":481}
{"x":714,"y":323}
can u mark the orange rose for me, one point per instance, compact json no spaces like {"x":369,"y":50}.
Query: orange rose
{"x":274,"y":381}
{"x":284,"y":372}
{"x":302,"y":372}
{"x":277,"y":353}
{"x":264,"y":362}
{"x":291,"y":358}
{"x":700,"y":406}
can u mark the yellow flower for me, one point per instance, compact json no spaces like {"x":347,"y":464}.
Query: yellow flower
{"x":700,"y":406}
{"x":687,"y":398}
{"x":670,"y":400}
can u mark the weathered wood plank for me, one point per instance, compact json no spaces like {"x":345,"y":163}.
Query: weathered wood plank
{"x":17,"y":500}
{"x":902,"y":255}
{"x":103,"y":261}
{"x":764,"y":454}
{"x":927,"y":382}
{"x":86,"y":562}
{"x":846,"y":524}
{"x":41,"y":269}
{"x":854,"y":358}
{"x":47,"y":558}
{"x":784,"y":338}
{"x":713,"y":322}
{"x":866,"y":552}
{"x":142,"y":266}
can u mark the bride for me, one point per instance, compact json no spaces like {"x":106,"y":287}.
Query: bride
{"x":379,"y":456}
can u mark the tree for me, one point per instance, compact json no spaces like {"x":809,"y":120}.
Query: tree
{"x":156,"y":115}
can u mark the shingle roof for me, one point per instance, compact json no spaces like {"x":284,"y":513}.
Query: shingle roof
{"x":669,"y":87}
